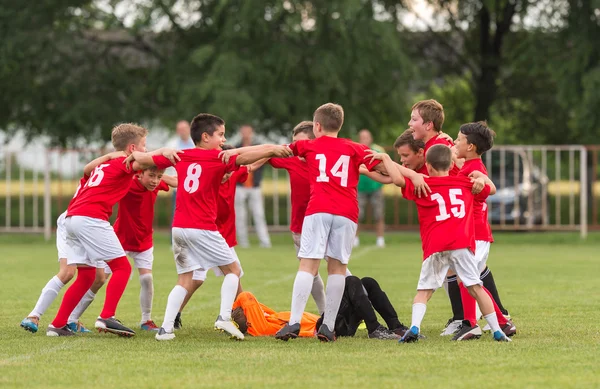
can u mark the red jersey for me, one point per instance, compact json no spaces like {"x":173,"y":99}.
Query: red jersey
{"x":333,"y":171}
{"x":199,"y":175}
{"x":483,"y":231}
{"x":107,"y":185}
{"x":438,"y":141}
{"x":446,"y":215}
{"x":226,"y":205}
{"x":135,"y":216}
{"x":82,"y":182}
{"x":300,"y":188}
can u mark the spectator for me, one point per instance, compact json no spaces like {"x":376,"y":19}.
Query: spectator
{"x":183,"y":142}
{"x":371,"y":192}
{"x":251,"y":191}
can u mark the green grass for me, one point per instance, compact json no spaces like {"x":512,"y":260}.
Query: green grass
{"x":549,"y":282}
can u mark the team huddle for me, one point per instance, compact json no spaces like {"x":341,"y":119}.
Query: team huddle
{"x":447,"y":181}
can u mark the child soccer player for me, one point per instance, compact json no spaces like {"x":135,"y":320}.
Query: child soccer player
{"x":66,"y":271}
{"x":446,"y":223}
{"x":91,"y":238}
{"x":331,"y":216}
{"x":473,"y":140}
{"x":197,"y":244}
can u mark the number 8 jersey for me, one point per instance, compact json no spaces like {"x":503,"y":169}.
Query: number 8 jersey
{"x":199,"y":175}
{"x":333,"y":170}
{"x":446,"y":215}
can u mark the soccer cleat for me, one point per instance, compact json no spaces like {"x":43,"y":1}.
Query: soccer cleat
{"x":230,"y":327}
{"x":164,"y":335}
{"x":325,"y":334}
{"x":29,"y":325}
{"x":149,"y":326}
{"x":401,"y":330}
{"x":178,"y":324}
{"x":451,"y":327}
{"x":466,"y":332}
{"x":509,"y":329}
{"x":63,"y":331}
{"x":487,"y":328}
{"x":78,"y":327}
{"x":412,"y":335}
{"x":499,"y":336}
{"x":289,"y":331}
{"x":113,"y":326}
{"x":384,"y":334}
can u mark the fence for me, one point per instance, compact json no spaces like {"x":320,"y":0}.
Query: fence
{"x":540,"y":188}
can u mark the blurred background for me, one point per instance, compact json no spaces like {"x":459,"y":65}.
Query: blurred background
{"x":71,"y":69}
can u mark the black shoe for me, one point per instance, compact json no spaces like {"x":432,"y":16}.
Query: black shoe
{"x":325,"y":334}
{"x":63,"y":331}
{"x":383,"y":333}
{"x":113,"y":326}
{"x":178,"y":324}
{"x":412,"y":335}
{"x":289,"y":331}
{"x":401,"y":330}
{"x":466,"y":332}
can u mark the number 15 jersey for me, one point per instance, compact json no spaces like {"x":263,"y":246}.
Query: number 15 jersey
{"x":446,"y":215}
{"x":333,"y":170}
{"x":199,"y":175}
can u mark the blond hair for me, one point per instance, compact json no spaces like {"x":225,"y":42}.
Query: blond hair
{"x":125,"y":134}
{"x":330,"y":116}
{"x":304,"y":127}
{"x":431,"y":111}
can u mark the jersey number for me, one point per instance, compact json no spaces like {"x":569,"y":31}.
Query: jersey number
{"x":458,"y":211}
{"x":192,"y":178}
{"x":340,"y":169}
{"x":96,"y":177}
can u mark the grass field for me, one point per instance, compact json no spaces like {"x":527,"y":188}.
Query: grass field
{"x":549,"y":282}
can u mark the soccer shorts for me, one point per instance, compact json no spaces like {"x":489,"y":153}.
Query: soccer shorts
{"x":297,"y":239}
{"x":218,"y":271}
{"x":324,"y":234}
{"x":482,"y":251}
{"x":196,"y":249}
{"x":142,"y":260}
{"x":377,"y":201}
{"x":91,"y":240}
{"x":61,"y":237}
{"x":435,"y":268}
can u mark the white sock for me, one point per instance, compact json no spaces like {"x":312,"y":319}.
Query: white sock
{"x":380,"y":241}
{"x":84,"y":303}
{"x":228,"y":291}
{"x":302,"y":287}
{"x":146,"y":295}
{"x":174,"y":302}
{"x":493,"y":322}
{"x":318,"y":293}
{"x":348,"y":274}
{"x":49,"y":293}
{"x":335,"y":291}
{"x":418,"y":313}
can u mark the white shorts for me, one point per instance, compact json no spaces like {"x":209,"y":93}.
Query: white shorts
{"x":142,"y":260}
{"x":91,"y":240}
{"x":482,"y":251}
{"x":200,"y":275}
{"x":297,"y":239}
{"x":61,"y":236}
{"x":104,"y":265}
{"x":196,"y":249}
{"x":435,"y":268}
{"x":324,"y":234}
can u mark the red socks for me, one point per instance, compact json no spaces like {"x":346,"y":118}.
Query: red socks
{"x":83,"y":282}
{"x":121,"y":270}
{"x":470,"y":310}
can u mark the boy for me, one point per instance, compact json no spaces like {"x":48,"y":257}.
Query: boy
{"x":473,"y":140}
{"x":331,"y":217}
{"x":446,"y":222}
{"x":65,"y":272}
{"x":91,"y":238}
{"x":197,"y":244}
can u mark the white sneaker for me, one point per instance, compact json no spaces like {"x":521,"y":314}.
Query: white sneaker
{"x":228,"y":326}
{"x":164,"y":335}
{"x":380,"y":242}
{"x":451,"y":327}
{"x":356,"y":242}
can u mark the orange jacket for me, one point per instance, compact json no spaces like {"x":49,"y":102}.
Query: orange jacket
{"x":263,"y":321}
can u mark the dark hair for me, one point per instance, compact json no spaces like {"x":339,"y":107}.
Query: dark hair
{"x":239,"y":317}
{"x":227,"y":147}
{"x":439,"y":157}
{"x":304,"y":127}
{"x":407,"y":138}
{"x":330,"y":116}
{"x":204,"y":123}
{"x":479,"y":135}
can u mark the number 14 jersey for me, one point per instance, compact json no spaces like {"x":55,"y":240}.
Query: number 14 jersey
{"x":446,"y":215}
{"x":333,"y":170}
{"x":199,"y":175}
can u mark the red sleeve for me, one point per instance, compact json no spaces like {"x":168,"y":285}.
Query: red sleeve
{"x":162,"y":186}
{"x":408,"y":192}
{"x":299,"y":148}
{"x":484,"y":194}
{"x":361,"y":154}
{"x":241,"y":175}
{"x":231,"y":165}
{"x":161,"y":162}
{"x":278,"y":163}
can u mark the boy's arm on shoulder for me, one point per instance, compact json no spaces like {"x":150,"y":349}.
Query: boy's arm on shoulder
{"x":375,"y":175}
{"x":89,"y":168}
{"x":262,"y":151}
{"x":170,"y":180}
